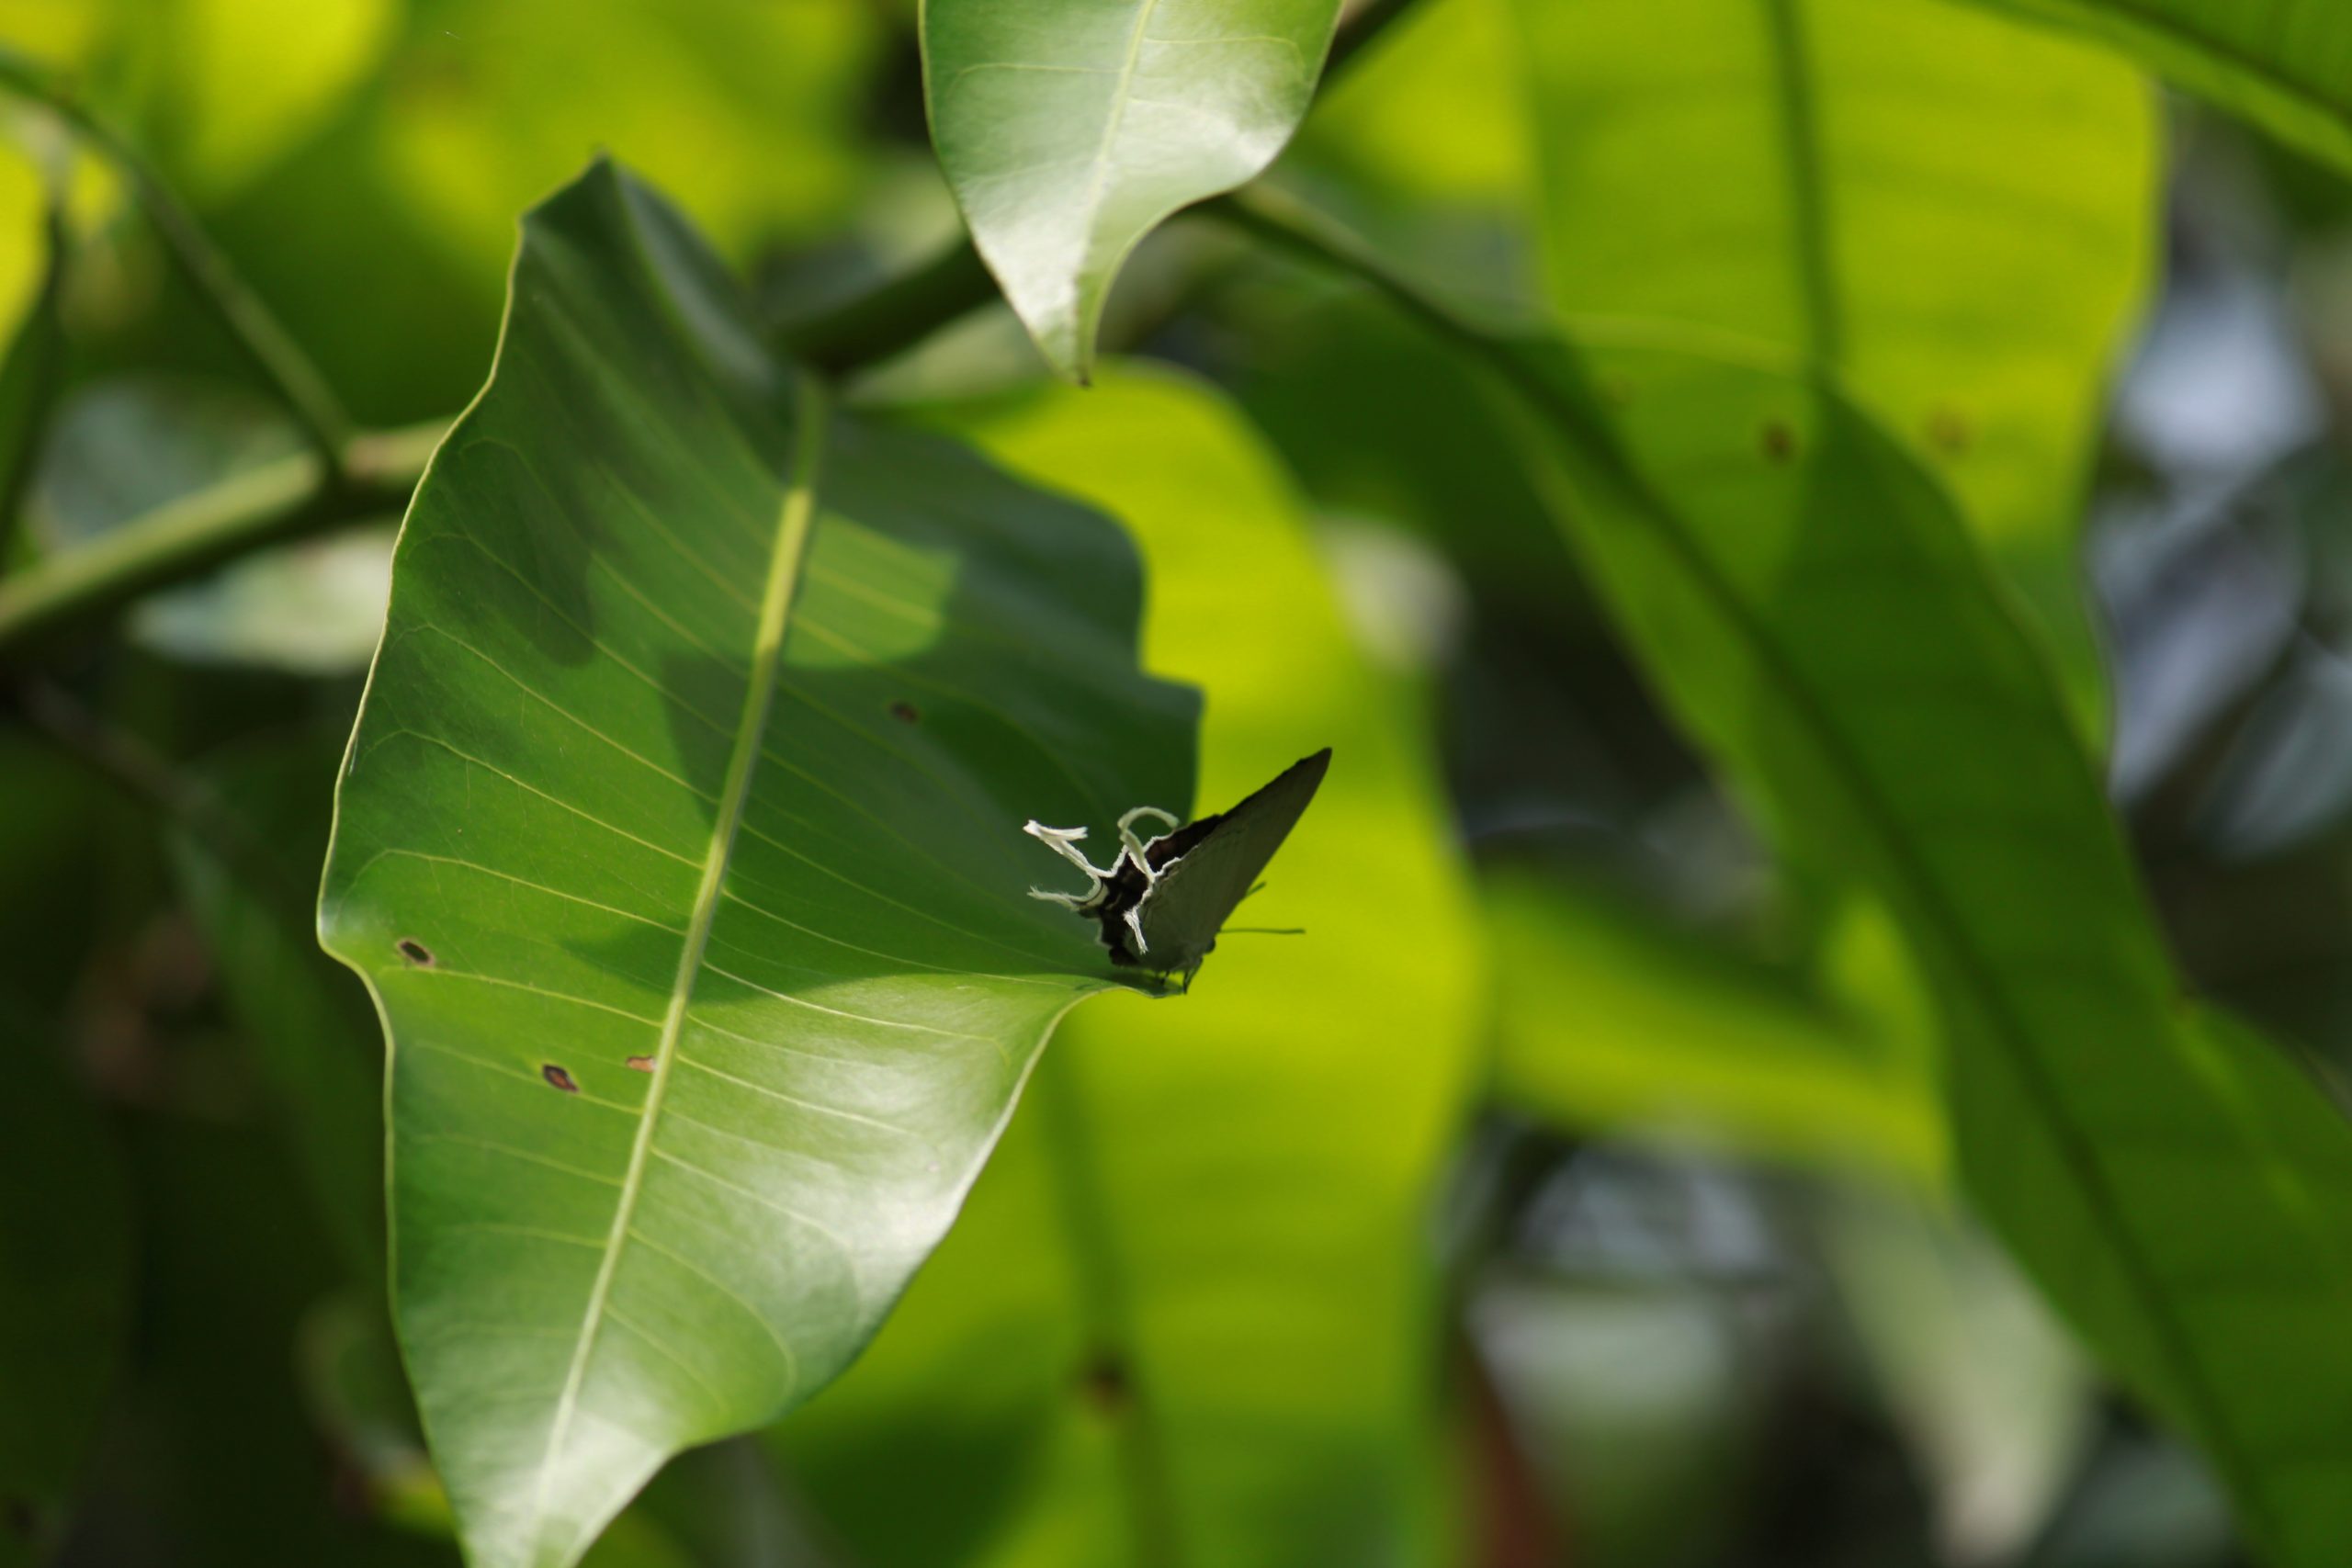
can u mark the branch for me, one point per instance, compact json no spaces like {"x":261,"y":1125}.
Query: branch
{"x":1285,"y":223}
{"x":289,"y":499}
{"x":356,"y":477}
{"x":263,"y":337}
{"x":895,"y":315}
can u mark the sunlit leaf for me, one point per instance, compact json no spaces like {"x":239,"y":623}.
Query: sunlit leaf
{"x":65,"y":1268}
{"x":680,"y":842}
{"x":247,"y":79}
{"x":2284,"y":64}
{"x":1872,"y":185}
{"x":1417,"y":113}
{"x":1070,"y":128}
{"x":1808,"y":601}
{"x":744,"y":113}
{"x":1188,"y":1315}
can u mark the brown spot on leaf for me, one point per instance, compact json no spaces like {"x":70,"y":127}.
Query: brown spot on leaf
{"x":905,"y":712}
{"x":642,"y":1063}
{"x":1104,"y":1383}
{"x":416,"y":953}
{"x":1779,"y":442}
{"x":559,"y":1077}
{"x":1947,"y":432}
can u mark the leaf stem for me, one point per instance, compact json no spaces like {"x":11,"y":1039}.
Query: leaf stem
{"x":258,"y":332}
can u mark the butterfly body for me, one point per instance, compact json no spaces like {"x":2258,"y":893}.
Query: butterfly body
{"x":1163,"y":901}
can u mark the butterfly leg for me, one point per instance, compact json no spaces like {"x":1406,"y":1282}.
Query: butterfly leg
{"x":1135,"y":926}
{"x":1060,"y":840}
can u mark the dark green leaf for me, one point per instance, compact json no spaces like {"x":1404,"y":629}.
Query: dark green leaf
{"x":1070,"y":129}
{"x":1806,"y":598}
{"x":680,"y":842}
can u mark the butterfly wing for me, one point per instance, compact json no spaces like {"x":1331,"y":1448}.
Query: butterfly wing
{"x":1196,"y":893}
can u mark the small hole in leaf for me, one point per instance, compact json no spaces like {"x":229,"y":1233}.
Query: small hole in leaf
{"x":642,"y":1063}
{"x":416,"y":953}
{"x":559,"y":1077}
{"x":905,"y":712}
{"x":1104,"y":1383}
{"x":1779,"y":442}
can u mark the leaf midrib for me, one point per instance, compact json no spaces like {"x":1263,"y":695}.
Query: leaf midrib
{"x":1098,"y":177}
{"x":795,"y":521}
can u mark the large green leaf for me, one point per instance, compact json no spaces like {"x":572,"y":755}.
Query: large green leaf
{"x":1070,"y":128}
{"x":1807,"y":598}
{"x":1955,"y":212}
{"x":1188,"y":1319}
{"x":680,"y":842}
{"x":2285,"y":64}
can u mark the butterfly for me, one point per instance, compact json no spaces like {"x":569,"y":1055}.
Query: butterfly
{"x":1163,"y":901}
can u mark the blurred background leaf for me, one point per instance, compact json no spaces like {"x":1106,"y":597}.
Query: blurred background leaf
{"x":1864,"y":185}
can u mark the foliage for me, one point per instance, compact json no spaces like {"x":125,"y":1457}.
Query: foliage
{"x":1779,"y":1009}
